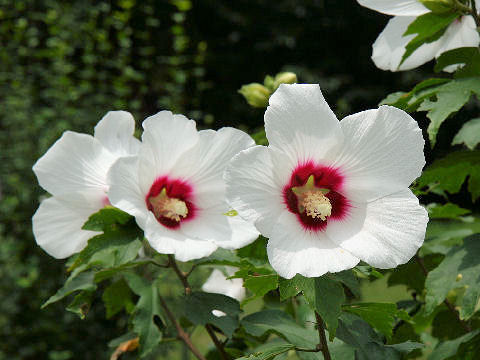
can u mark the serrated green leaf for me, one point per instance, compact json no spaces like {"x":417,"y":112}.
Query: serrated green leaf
{"x":327,"y":298}
{"x":105,"y":274}
{"x":293,"y":286}
{"x":117,"y":297}
{"x":261,"y":284}
{"x":467,"y":57}
{"x":427,"y":28}
{"x":103,"y":219}
{"x":116,"y":255}
{"x":446,"y":211}
{"x":121,"y":339}
{"x":469,"y":134}
{"x":406,"y":347}
{"x":198,"y":308}
{"x":460,"y":268}
{"x":145,"y":313}
{"x":447,"y":349}
{"x":451,"y":172}
{"x":381,"y":316}
{"x":268,"y":351}
{"x":255,"y":252}
{"x":82,"y":281}
{"x":81,"y":304}
{"x":349,"y":279}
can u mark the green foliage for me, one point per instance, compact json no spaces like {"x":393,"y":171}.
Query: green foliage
{"x":446,"y":211}
{"x":268,"y":351}
{"x":459,"y":269}
{"x":468,"y":58}
{"x":83,"y":281}
{"x":469,"y":134}
{"x":117,"y":297}
{"x":448,"y":349}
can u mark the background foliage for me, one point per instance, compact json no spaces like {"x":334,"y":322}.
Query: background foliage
{"x":64,"y":64}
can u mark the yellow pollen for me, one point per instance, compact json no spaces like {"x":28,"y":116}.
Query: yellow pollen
{"x":316,"y":204}
{"x":164,"y":206}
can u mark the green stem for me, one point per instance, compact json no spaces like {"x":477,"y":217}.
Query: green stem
{"x":323,"y":345}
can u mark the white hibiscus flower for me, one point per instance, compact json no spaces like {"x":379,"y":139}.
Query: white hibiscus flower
{"x":218,"y":283}
{"x":175,"y":189}
{"x":390,"y":45}
{"x":74,"y":170}
{"x":328,"y":193}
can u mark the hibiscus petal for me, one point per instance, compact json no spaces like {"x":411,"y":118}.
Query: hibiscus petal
{"x":124,"y":191}
{"x":76,"y":162}
{"x":255,"y":179}
{"x":228,"y":232}
{"x":298,"y":119}
{"x":203,"y":165}
{"x":57,"y":224}
{"x":390,"y":45}
{"x":292,"y":250}
{"x":217,"y":283}
{"x":165,"y":138}
{"x":382,"y":153}
{"x":115,"y":132}
{"x":396,"y":7}
{"x":167,"y":241}
{"x":385,"y":233}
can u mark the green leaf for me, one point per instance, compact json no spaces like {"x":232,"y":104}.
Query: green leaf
{"x":406,"y":347}
{"x":198,"y":308}
{"x":268,"y":351}
{"x":469,"y":134}
{"x":450,"y":97}
{"x":255,"y":251}
{"x":146,"y":312}
{"x":105,"y":218}
{"x":222,"y":257}
{"x":382,"y":316}
{"x":83,"y":281}
{"x":105,"y":274}
{"x":468,"y":57}
{"x":447,"y":211}
{"x":117,"y":297}
{"x":460,"y":268}
{"x":81,"y":304}
{"x":326,"y":297}
{"x":291,"y":287}
{"x":261,"y":284}
{"x":451,"y":172}
{"x":428,"y":28}
{"x":349,"y":279}
{"x":449,"y":348}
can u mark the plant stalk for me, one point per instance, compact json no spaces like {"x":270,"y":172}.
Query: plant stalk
{"x":323,"y":345}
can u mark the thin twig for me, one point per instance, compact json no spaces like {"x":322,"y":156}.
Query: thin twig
{"x":182,"y":335}
{"x":217,"y":342}
{"x":475,"y":13}
{"x":181,"y":275}
{"x":447,"y":302}
{"x":323,"y":345}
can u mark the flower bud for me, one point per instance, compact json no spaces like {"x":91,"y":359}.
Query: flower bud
{"x":256,"y":94}
{"x":284,"y":78}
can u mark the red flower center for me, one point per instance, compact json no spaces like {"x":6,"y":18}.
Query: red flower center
{"x":171,"y":201}
{"x":313,"y":194}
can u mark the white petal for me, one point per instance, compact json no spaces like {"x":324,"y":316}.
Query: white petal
{"x":461,"y":33}
{"x":389,"y":47}
{"x":76,"y":162}
{"x":165,"y":138}
{"x":255,"y":179}
{"x":57,"y":224}
{"x":115,"y":132}
{"x":203,"y":165}
{"x":396,"y":7}
{"x":384,"y":233}
{"x":228,"y":232}
{"x":292,"y":250}
{"x":382,"y":154}
{"x":124,"y":191}
{"x":168,"y":241}
{"x":217,"y":283}
{"x":300,"y":123}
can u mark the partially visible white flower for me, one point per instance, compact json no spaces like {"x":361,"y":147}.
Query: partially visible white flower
{"x":329,"y":193}
{"x":218,"y":283}
{"x":74,"y":170}
{"x":175,"y":189}
{"x":390,"y":45}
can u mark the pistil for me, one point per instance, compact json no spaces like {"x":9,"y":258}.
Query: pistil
{"x":171,"y":208}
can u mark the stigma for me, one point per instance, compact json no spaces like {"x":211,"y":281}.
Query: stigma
{"x":171,"y":208}
{"x":312,"y":200}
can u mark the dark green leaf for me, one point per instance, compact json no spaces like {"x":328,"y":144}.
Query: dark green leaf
{"x":268,"y":351}
{"x":349,"y":279}
{"x":117,"y":297}
{"x":146,"y":311}
{"x":261,"y":284}
{"x":105,"y":218}
{"x":293,"y":286}
{"x":81,"y":304}
{"x":255,"y":251}
{"x":83,"y":281}
{"x":121,"y":339}
{"x":198,"y":308}
{"x":447,"y":211}
{"x":382,"y":316}
{"x":460,"y":268}
{"x":469,"y":134}
{"x":449,"y":348}
{"x":467,"y":57}
{"x":406,"y":347}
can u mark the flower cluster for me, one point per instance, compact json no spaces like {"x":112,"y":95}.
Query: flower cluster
{"x":326,"y":193}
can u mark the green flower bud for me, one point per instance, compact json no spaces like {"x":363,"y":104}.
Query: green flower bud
{"x":284,"y":78}
{"x":269,"y":83}
{"x":256,"y":94}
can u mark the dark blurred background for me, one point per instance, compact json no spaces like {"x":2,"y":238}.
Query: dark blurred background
{"x":64,"y":64}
